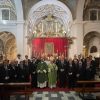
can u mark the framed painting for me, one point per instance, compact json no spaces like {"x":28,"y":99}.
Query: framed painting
{"x":49,"y":48}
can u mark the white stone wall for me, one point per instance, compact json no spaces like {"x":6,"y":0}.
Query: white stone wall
{"x":90,"y":26}
{"x":78,"y":30}
{"x":77,"y":47}
{"x":16,"y":28}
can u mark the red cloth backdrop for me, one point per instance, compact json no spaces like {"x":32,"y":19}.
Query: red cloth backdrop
{"x":60,"y":45}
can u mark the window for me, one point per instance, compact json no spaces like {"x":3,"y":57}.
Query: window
{"x":5,"y":14}
{"x":93,"y":14}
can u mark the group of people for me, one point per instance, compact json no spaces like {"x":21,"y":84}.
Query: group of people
{"x":52,"y":72}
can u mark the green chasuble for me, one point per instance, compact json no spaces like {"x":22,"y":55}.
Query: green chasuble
{"x":42,"y":70}
{"x":52,"y":75}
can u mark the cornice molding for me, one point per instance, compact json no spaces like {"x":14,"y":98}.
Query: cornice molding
{"x":5,"y":22}
{"x":84,"y":22}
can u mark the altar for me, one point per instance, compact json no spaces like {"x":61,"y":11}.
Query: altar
{"x":50,"y":46}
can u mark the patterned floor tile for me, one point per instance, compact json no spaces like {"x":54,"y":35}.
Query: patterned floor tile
{"x":54,"y":95}
{"x":38,"y":98}
{"x":55,"y":98}
{"x":45,"y":98}
{"x":71,"y":98}
{"x":64,"y":98}
{"x":45,"y":92}
{"x":51,"y":96}
{"x":38,"y":95}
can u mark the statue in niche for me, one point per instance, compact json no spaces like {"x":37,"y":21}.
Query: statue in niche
{"x":49,"y":25}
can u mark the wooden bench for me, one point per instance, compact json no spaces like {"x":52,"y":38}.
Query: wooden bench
{"x":8,"y":89}
{"x":85,"y":88}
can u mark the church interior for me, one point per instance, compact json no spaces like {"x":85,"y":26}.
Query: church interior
{"x":49,"y":49}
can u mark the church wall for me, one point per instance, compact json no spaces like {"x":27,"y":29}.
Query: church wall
{"x":16,"y":28}
{"x":79,"y":11}
{"x":20,"y":39}
{"x":88,"y":26}
{"x":19,"y":27}
{"x":8,"y":28}
{"x":54,"y":2}
{"x":77,"y":46}
{"x":79,"y":29}
{"x":91,"y":26}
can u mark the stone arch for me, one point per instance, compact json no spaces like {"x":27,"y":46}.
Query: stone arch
{"x":32,"y":17}
{"x":93,"y":28}
{"x":16,"y":26}
{"x":67,"y":20}
{"x":9,"y":41}
{"x":13,"y":32}
{"x":55,"y":2}
{"x":92,"y":39}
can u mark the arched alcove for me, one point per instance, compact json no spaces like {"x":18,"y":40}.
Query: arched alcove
{"x":48,"y":18}
{"x":50,"y":9}
{"x":9,"y":45}
{"x":92,"y":43}
{"x":93,"y":49}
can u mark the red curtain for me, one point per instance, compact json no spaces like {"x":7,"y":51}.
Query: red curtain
{"x":60,"y":45}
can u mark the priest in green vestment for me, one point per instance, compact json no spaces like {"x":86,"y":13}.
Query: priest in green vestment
{"x":52,"y":73}
{"x":42,"y":70}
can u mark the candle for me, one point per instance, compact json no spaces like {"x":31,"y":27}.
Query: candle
{"x":65,"y":52}
{"x":34,"y":52}
{"x":57,"y":51}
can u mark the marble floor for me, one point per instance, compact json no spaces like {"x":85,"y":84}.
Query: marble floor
{"x":50,"y":96}
{"x":54,"y":96}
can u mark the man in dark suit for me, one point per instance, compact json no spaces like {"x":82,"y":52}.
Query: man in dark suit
{"x":90,"y":69}
{"x":34,"y":72}
{"x":1,"y":72}
{"x":13,"y":71}
{"x":93,"y":67}
{"x":21,"y":72}
{"x":6,"y":71}
{"x":27,"y":66}
{"x":71,"y":74}
{"x":62,"y":67}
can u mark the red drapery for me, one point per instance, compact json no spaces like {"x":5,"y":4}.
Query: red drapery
{"x":54,"y":45}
